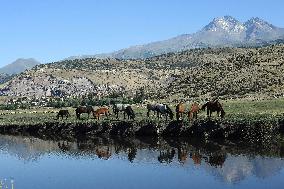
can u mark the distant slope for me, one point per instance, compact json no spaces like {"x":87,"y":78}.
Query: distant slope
{"x":19,"y":66}
{"x":4,"y":78}
{"x":221,"y":32}
{"x":197,"y":73}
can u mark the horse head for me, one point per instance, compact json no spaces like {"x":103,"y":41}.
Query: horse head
{"x":169,"y":111}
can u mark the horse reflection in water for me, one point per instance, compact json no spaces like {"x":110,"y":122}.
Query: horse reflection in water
{"x":132,"y":154}
{"x":103,"y":153}
{"x":166,"y":156}
{"x":196,"y":158}
{"x":182,"y":155}
{"x":64,"y":146}
{"x":216,"y":159}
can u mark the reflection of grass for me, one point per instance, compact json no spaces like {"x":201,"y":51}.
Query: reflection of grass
{"x":237,"y":111}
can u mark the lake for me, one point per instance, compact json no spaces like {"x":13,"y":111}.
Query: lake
{"x":31,"y":163}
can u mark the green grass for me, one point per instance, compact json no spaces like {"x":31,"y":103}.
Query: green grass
{"x":235,"y":111}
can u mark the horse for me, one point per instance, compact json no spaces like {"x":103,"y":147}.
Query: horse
{"x":194,"y":109}
{"x":180,"y":110}
{"x":101,"y":111}
{"x":125,"y":108}
{"x":214,"y":106}
{"x":160,"y":109}
{"x":62,"y":113}
{"x":130,"y":113}
{"x":84,"y":109}
{"x":151,"y":107}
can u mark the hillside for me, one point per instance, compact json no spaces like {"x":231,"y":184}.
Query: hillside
{"x":204,"y":73}
{"x":220,"y":32}
{"x":19,"y":66}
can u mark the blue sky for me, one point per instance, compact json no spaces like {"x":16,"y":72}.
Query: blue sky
{"x":51,"y":30}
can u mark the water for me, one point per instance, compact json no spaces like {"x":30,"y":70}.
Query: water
{"x":137,"y":163}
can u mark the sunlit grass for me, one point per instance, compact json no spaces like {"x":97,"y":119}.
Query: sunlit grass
{"x":235,"y":111}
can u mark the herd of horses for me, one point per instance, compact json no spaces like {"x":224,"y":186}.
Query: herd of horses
{"x":158,"y":109}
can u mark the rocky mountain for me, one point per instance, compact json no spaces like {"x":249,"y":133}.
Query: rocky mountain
{"x":19,"y":66}
{"x":221,"y":32}
{"x":4,"y":78}
{"x":196,"y":73}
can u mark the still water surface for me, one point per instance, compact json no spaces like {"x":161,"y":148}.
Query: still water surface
{"x":137,"y":163}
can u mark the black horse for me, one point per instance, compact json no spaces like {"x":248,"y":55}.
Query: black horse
{"x":214,"y":106}
{"x":84,"y":109}
{"x":63,"y":113}
{"x":130,"y":113}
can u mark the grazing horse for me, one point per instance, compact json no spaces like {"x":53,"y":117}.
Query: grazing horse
{"x":194,"y":109}
{"x":125,"y":108}
{"x":180,"y":110}
{"x":101,"y":111}
{"x":63,"y":113}
{"x":151,"y":107}
{"x":214,"y":106}
{"x":130,"y":113}
{"x":160,"y":109}
{"x":84,"y":109}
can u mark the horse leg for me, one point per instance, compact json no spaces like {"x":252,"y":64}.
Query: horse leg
{"x":124,"y":114}
{"x":148,"y":113}
{"x":208,"y":112}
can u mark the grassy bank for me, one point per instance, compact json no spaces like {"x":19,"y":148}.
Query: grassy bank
{"x":236,"y":111}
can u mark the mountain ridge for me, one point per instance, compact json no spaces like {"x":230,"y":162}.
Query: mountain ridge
{"x":19,"y":65}
{"x":223,"y":31}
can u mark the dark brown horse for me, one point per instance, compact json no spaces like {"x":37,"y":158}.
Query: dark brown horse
{"x":63,"y":113}
{"x":101,"y":111}
{"x":194,"y":109}
{"x":180,"y":110}
{"x":214,"y":106}
{"x":84,"y":109}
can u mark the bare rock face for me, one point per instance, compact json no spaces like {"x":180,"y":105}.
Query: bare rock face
{"x":200,"y":73}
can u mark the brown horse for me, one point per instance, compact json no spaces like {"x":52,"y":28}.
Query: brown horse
{"x":194,"y":109}
{"x":180,"y":110}
{"x":101,"y":111}
{"x":84,"y":109}
{"x":214,"y":106}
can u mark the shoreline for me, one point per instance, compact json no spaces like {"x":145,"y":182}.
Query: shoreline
{"x":251,"y":131}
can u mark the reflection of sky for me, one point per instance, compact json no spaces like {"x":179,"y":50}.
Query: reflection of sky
{"x":57,"y":170}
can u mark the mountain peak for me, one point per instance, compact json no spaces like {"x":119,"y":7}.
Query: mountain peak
{"x":18,"y":66}
{"x":225,"y":23}
{"x":258,"y":22}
